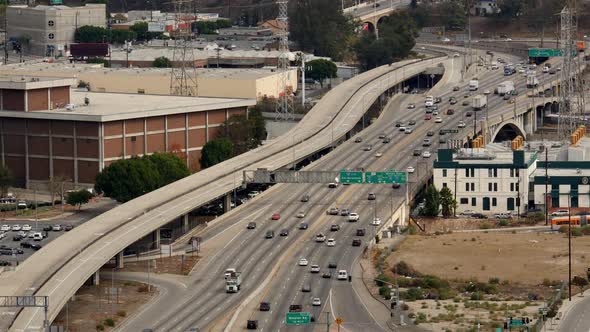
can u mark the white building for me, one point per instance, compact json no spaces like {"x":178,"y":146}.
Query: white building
{"x":50,"y":29}
{"x":486,"y":181}
{"x":486,"y":7}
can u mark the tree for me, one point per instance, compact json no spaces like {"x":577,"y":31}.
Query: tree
{"x":320,"y":27}
{"x":77,"y":198}
{"x":511,"y":8}
{"x":452,"y":14}
{"x":580,"y":282}
{"x":431,"y":207}
{"x":162,"y":62}
{"x":57,"y":187}
{"x":169,"y":166}
{"x":244,"y":132}
{"x":447,"y":202}
{"x":6,"y":180}
{"x":216,"y":151}
{"x":141,"y":31}
{"x":91,"y":34}
{"x":321,"y":69}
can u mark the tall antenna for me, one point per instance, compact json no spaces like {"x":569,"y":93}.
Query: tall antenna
{"x":284,"y":107}
{"x":183,"y":77}
{"x":571,"y":101}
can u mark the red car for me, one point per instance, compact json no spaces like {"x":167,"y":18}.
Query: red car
{"x":427,"y":117}
{"x":275,"y":216}
{"x":450,"y":112}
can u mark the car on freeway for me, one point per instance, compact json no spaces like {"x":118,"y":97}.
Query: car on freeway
{"x":402,"y":128}
{"x":284,"y":232}
{"x":344,"y":211}
{"x":450,"y":111}
{"x":264,"y":306}
{"x":320,"y":237}
{"x":332,"y":265}
{"x":465,"y":103}
{"x":486,"y":92}
{"x":316,"y":302}
{"x":327,"y":275}
{"x":353,"y":216}
{"x":378,"y":154}
{"x":333,"y":211}
{"x":15,"y":228}
{"x":300,"y":214}
{"x":269,"y":234}
{"x":68,"y":228}
{"x":399,"y":124}
{"x":438,"y":119}
{"x":410,"y":169}
{"x":334,"y":228}
{"x":303,"y":226}
{"x":386,"y":140}
{"x":56,"y":228}
{"x":382,"y":136}
{"x":395,"y":185}
{"x":358,"y":139}
{"x":295,"y":308}
{"x":305,"y":198}
{"x":251,"y":225}
{"x":356,"y":243}
{"x":330,"y":242}
{"x":376,"y":221}
{"x":456,"y":88}
{"x":453,"y":101}
{"x":371,"y":196}
{"x":434,"y":112}
{"x":26,"y":227}
{"x":426,"y":154}
{"x":427,"y":117}
{"x":411,"y":106}
{"x":461,"y":124}
{"x":412,"y":122}
{"x":360,"y":232}
{"x":468,"y":114}
{"x":417,"y":152}
{"x":315,"y":268}
{"x":275,"y":216}
{"x":303,"y":262}
{"x":47,"y":228}
{"x":368,"y":147}
{"x":426,"y":142}
{"x":5,"y":228}
{"x":306,"y":288}
{"x":342,"y":275}
{"x":429,"y":111}
{"x":408,"y":130}
{"x":442,"y":140}
{"x":332,"y":185}
{"x":506,"y":97}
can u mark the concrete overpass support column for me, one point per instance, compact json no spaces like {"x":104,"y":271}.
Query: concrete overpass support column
{"x":96,"y":278}
{"x":119,"y":259}
{"x":227,"y":202}
{"x":185,"y":223}
{"x":156,"y":238}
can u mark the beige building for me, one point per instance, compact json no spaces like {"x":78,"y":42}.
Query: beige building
{"x":51,"y":29}
{"x":217,"y":82}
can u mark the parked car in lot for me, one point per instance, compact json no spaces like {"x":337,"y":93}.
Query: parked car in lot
{"x":559,"y":213}
{"x":47,"y":228}
{"x":26,"y":227}
{"x":35,"y":246}
{"x":502,"y":216}
{"x":15,"y":228}
{"x":5,"y":228}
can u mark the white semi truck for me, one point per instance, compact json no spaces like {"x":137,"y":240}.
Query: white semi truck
{"x":233,"y":282}
{"x":505,"y":87}
{"x":532,"y":81}
{"x":479,"y":102}
{"x":473,"y":85}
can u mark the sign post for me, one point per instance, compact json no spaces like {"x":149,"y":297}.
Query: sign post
{"x":386,"y":177}
{"x":338,"y":322}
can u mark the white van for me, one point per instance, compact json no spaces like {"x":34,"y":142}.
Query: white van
{"x":342,"y":275}
{"x":37,"y":236}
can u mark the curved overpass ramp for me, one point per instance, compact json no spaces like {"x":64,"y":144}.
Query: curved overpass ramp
{"x":61,"y":267}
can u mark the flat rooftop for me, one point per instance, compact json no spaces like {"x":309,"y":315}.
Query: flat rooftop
{"x":28,"y":82}
{"x":105,"y":107}
{"x":73,"y":70}
{"x":562,"y":172}
{"x":494,"y":153}
{"x":149,"y":54}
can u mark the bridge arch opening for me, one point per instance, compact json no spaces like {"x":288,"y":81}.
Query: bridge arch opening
{"x":508,"y":132}
{"x":369,"y":27}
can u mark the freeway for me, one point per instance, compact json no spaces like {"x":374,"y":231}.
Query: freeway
{"x":61,"y":267}
{"x":377,"y":7}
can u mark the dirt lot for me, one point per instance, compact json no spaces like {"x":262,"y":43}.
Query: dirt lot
{"x":526,"y":258}
{"x":93,"y":307}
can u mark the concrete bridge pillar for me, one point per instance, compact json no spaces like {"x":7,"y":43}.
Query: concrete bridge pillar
{"x":185,"y":224}
{"x":227,"y":202}
{"x":119,"y":260}
{"x":157,"y":238}
{"x":96,"y":278}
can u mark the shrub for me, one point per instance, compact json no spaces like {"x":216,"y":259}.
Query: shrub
{"x":585,"y":230}
{"x":121,"y":313}
{"x":494,"y":281}
{"x":402,"y":268}
{"x":99,"y":327}
{"x":503,"y":223}
{"x":385,"y":278}
{"x":109,"y":322}
{"x":433,"y":282}
{"x":385,"y":292}
{"x":576,"y":231}
{"x":446,"y":293}
{"x":477,"y":296}
{"x":411,"y":230}
{"x":485,"y":225}
{"x":413,"y":294}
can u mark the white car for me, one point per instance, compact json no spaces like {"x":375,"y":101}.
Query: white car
{"x":315,"y":268}
{"x":16,"y":228}
{"x":438,"y":119}
{"x":56,"y":228}
{"x":5,"y":228}
{"x":545,"y":69}
{"x":316,"y":302}
{"x":559,"y":213}
{"x":521,"y":71}
{"x":408,"y":130}
{"x":320,"y":238}
{"x":461,"y":124}
{"x":303,"y":262}
{"x":456,"y":55}
{"x":342,"y":275}
{"x":410,"y":169}
{"x":446,"y":40}
{"x":486,"y":92}
{"x":426,"y":154}
{"x":300,"y":214}
{"x":331,"y":242}
{"x":2,"y":235}
{"x":378,"y":154}
{"x":26,"y":228}
{"x":353,"y":216}
{"x":376,"y":221}
{"x":37,"y":236}
{"x":332,"y":185}
{"x":411,"y":106}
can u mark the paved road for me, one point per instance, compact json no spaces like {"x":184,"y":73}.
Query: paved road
{"x":577,"y":317}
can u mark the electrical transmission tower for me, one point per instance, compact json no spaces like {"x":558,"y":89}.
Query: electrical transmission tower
{"x":571,"y":92}
{"x":183,"y":78}
{"x":284,"y":107}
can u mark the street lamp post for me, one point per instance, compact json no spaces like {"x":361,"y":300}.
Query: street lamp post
{"x":569,"y":243}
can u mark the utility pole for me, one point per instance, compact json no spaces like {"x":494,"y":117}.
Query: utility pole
{"x":327,"y":321}
{"x":546,"y":185}
{"x":455,"y":192}
{"x":569,"y":244}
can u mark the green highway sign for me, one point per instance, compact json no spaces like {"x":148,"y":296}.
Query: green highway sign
{"x":351,"y":177}
{"x":544,"y":52}
{"x":515,"y":322}
{"x":297,"y":318}
{"x":449,"y":131}
{"x":386,"y":177}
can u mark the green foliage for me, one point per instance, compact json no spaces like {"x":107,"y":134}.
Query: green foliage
{"x":244,"y":132}
{"x":397,"y":34}
{"x":109,"y":322}
{"x":127,"y":179}
{"x":102,"y":61}
{"x":6,"y":180}
{"x":447,"y":202}
{"x":477,"y":296}
{"x":412,"y":230}
{"x":580,"y":282}
{"x":320,"y":69}
{"x":210,"y":27}
{"x":412,"y":294}
{"x":385,"y":292}
{"x":403,"y":269}
{"x":511,"y":8}
{"x":432,"y":196}
{"x":216,"y":151}
{"x":141,"y":31}
{"x":473,"y":287}
{"x":93,"y":34}
{"x":77,"y":198}
{"x":320,"y":27}
{"x":452,"y":14}
{"x":494,"y":281}
{"x":162,"y":62}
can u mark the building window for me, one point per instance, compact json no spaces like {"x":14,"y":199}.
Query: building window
{"x":50,"y":23}
{"x":517,"y":171}
{"x":517,"y":186}
{"x":444,"y":184}
{"x":444,"y":171}
{"x":472,"y":186}
{"x":490,"y":173}
{"x":510,"y":204}
{"x":495,"y":187}
{"x":512,"y":172}
{"x":494,"y":201}
{"x":133,"y":138}
{"x":467,"y":172}
{"x":51,"y":36}
{"x":473,"y":201}
{"x":464,"y":201}
{"x":554,"y":202}
{"x":511,"y":186}
{"x":140,"y":91}
{"x":467,"y":187}
{"x":490,"y":186}
{"x":495,"y":172}
{"x":473,"y":172}
{"x":574,"y":202}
